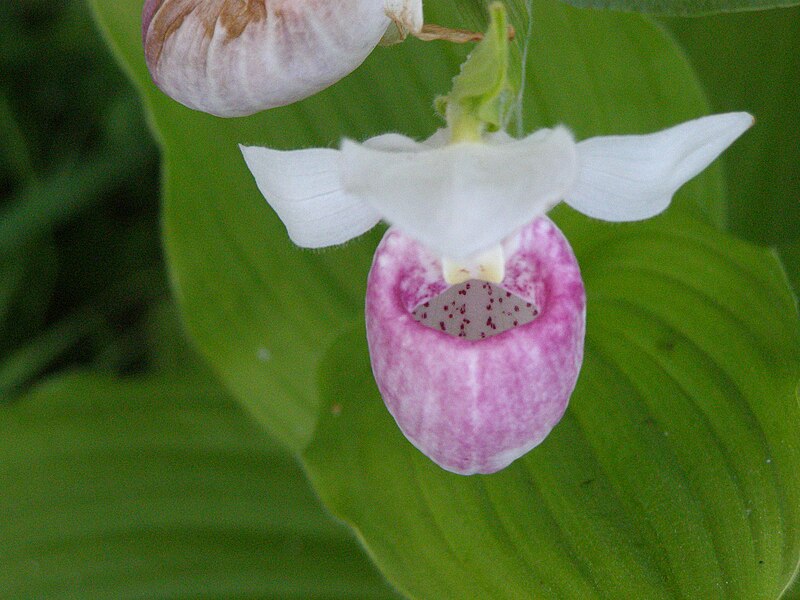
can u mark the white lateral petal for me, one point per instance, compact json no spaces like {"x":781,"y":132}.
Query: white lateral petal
{"x":303,"y":188}
{"x":633,"y":177}
{"x":462,"y":198}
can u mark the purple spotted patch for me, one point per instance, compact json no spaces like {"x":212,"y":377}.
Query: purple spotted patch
{"x":475,"y":310}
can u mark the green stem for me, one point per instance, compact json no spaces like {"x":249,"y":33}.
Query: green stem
{"x":465,"y":127}
{"x":481,"y":91}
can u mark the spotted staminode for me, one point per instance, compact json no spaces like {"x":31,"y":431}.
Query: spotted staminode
{"x":475,"y":310}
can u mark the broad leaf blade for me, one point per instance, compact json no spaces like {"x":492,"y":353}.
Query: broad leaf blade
{"x":158,"y":489}
{"x":673,"y":474}
{"x":609,"y":506}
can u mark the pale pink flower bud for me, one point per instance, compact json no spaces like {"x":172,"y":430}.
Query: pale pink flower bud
{"x":237,"y":57}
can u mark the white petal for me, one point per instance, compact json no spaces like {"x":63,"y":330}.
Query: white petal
{"x":633,"y":177}
{"x":462,"y":198}
{"x":302,"y":186}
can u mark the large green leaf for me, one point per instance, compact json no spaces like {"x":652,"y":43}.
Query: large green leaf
{"x":684,"y":8}
{"x":160,"y":488}
{"x":264,"y":311}
{"x":673,"y":475}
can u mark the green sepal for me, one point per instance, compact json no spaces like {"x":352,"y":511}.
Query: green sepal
{"x":483,"y":92}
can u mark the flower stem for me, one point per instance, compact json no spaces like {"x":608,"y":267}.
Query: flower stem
{"x":482,"y":92}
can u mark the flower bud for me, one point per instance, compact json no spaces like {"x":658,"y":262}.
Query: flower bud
{"x":237,"y":57}
{"x":477,"y":374}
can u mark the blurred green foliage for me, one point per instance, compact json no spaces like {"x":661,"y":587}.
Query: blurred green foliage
{"x":80,"y":260}
{"x":159,"y":486}
{"x":126,"y":469}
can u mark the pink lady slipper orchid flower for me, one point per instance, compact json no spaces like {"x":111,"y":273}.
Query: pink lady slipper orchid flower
{"x":234,"y":58}
{"x":475,"y":305}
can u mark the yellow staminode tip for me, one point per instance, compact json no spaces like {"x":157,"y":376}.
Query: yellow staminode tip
{"x":486,"y":266}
